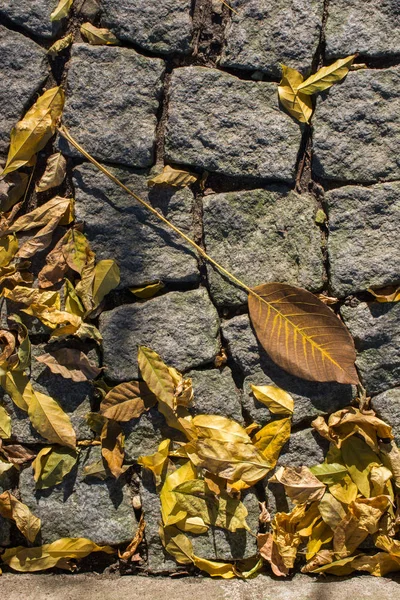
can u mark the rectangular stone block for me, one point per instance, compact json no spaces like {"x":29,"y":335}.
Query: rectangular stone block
{"x":32,"y":15}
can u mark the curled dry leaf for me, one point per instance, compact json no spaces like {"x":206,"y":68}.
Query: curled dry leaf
{"x":54,"y":175}
{"x":390,"y":293}
{"x":16,"y":453}
{"x":300,"y":484}
{"x":331,"y":510}
{"x":147,"y":291}
{"x":130,"y":550}
{"x":269,"y":551}
{"x":99,"y":36}
{"x":301,"y":334}
{"x":112,"y":447}
{"x":40,"y":241}
{"x":62,"y":10}
{"x":127,"y":401}
{"x":27,"y":523}
{"x":297,"y":104}
{"x":325,"y":77}
{"x":359,"y":459}
{"x":173,"y":177}
{"x":71,"y":364}
{"x":60,"y":45}
{"x":278,"y":401}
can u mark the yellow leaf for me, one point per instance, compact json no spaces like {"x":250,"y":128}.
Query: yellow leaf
{"x":60,"y":45}
{"x":320,"y":535}
{"x":285,"y":534}
{"x":173,"y":177}
{"x":300,"y":484}
{"x":77,"y":251}
{"x":344,"y":490}
{"x":327,"y":76}
{"x":390,"y":293}
{"x":112,"y":446}
{"x":177,"y":544}
{"x":106,"y":278}
{"x":61,"y":11}
{"x":339,"y":567}
{"x":156,"y":462}
{"x":297,"y":104}
{"x":350,"y":420}
{"x":168,"y":499}
{"x":28,"y":560}
{"x":156,"y":375}
{"x":147,"y":291}
{"x":27,"y":523}
{"x":5,"y":424}
{"x":388,"y":544}
{"x":54,"y":175}
{"x":50,"y":420}
{"x":99,"y":36}
{"x":331,"y":510}
{"x":359,"y":459}
{"x":220,"y":428}
{"x":308,"y":521}
{"x":8,"y":249}
{"x":214,"y":568}
{"x":55,"y":208}
{"x":379,"y":564}
{"x":271,"y":439}
{"x":368,"y":511}
{"x":127,"y":401}
{"x":278,"y":401}
{"x":379,"y":478}
{"x":73,"y":304}
{"x":52,"y":464}
{"x":32,"y":133}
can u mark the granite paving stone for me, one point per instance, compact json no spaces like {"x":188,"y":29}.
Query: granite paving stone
{"x":159,"y":27}
{"x":82,"y":507}
{"x":387,"y":407}
{"x":119,"y":228}
{"x":363,"y":234}
{"x":262,"y":236}
{"x":305,"y":447}
{"x":215,"y":393}
{"x":375,"y":328}
{"x":356,"y":128}
{"x":263,"y":34}
{"x":32,"y":15}
{"x":111,"y":104}
{"x":23,"y":69}
{"x":221,"y":123}
{"x":310,"y":398}
{"x":369,"y":27}
{"x":181,"y":326}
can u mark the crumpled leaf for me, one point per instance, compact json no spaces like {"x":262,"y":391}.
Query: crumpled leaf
{"x":271,"y":439}
{"x":60,"y":45}
{"x":177,"y":544}
{"x":70,"y":364}
{"x":52,"y":464}
{"x":379,"y":478}
{"x":300,"y":484}
{"x":5,"y":424}
{"x":49,"y":419}
{"x":390,"y":454}
{"x":269,"y":551}
{"x":278,"y":401}
{"x":214,"y":568}
{"x":32,"y":133}
{"x":147,"y":291}
{"x":40,"y":241}
{"x":62,"y":10}
{"x":350,"y":420}
{"x":96,"y":469}
{"x":130,"y":550}
{"x":99,"y":36}
{"x":379,"y":565}
{"x":56,"y":208}
{"x":325,"y":77}
{"x":127,"y":401}
{"x":54,"y":175}
{"x":16,"y":453}
{"x":285,"y":534}
{"x":12,"y":508}
{"x":390,"y":293}
{"x":297,"y":104}
{"x":112,"y":447}
{"x":173,"y":177}
{"x":28,"y":560}
{"x":156,"y":462}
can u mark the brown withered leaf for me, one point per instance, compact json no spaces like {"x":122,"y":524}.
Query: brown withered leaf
{"x":329,"y":300}
{"x":300,"y":484}
{"x":130,"y":550}
{"x":390,"y":293}
{"x":99,"y":36}
{"x":12,"y":508}
{"x":7,"y":345}
{"x":40,"y":241}
{"x":323,"y":557}
{"x":112,"y":447}
{"x":54,"y":175}
{"x":12,"y":188}
{"x":301,"y":334}
{"x":173,"y":177}
{"x":70,"y":364}
{"x":56,"y":208}
{"x":269,"y":551}
{"x":56,"y":266}
{"x":127,"y":401}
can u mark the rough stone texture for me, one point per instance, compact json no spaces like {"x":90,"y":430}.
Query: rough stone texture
{"x":112,"y":99}
{"x":311,"y":398}
{"x":356,"y":128}
{"x":363,"y":232}
{"x":305,"y":447}
{"x":23,"y":69}
{"x":32,"y":15}
{"x":375,"y":328}
{"x":261,"y":35}
{"x":160,"y":27}
{"x":215,"y":393}
{"x":221,"y":123}
{"x":181,"y":326}
{"x":369,"y":27}
{"x":143,"y":435}
{"x":73,"y":397}
{"x":99,"y":510}
{"x":118,"y":227}
{"x":261,"y":236}
{"x":387,"y":407}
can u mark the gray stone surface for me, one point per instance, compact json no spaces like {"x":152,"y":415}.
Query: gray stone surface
{"x":73,"y":397}
{"x":181,"y":326}
{"x":32,"y":15}
{"x":23,"y":69}
{"x":99,"y":510}
{"x":375,"y":328}
{"x":264,"y":34}
{"x":112,"y":99}
{"x":310,"y":398}
{"x":215,"y":393}
{"x":221,"y":123}
{"x":387,"y":407}
{"x":305,"y":447}
{"x":262,"y":236}
{"x":118,"y":227}
{"x":369,"y":27}
{"x":356,"y":128}
{"x":159,"y":27}
{"x":143,"y":435}
{"x":363,"y":232}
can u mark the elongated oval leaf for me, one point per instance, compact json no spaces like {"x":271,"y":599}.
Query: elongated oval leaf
{"x":99,"y":36}
{"x":127,"y":401}
{"x":56,"y":168}
{"x":52,"y":464}
{"x":301,"y":334}
{"x":173,"y":178}
{"x":327,"y":76}
{"x":106,"y":278}
{"x":278,"y":401}
{"x":297,"y":104}
{"x":220,"y":428}
{"x":5,"y":424}
{"x":55,"y":208}
{"x":61,"y":11}
{"x":12,"y":508}
{"x":156,"y":375}
{"x":49,"y":419}
{"x":70,"y":363}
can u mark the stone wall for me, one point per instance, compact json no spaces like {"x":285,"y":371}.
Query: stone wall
{"x":195,"y":84}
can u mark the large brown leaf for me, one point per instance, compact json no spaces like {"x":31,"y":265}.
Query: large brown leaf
{"x":301,"y":334}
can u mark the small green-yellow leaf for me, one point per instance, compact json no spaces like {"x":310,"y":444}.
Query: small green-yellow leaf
{"x":278,"y":401}
{"x":99,"y":36}
{"x":173,"y":177}
{"x":359,"y":459}
{"x":106,"y":278}
{"x":147,"y":291}
{"x":329,"y":473}
{"x":5,"y":424}
{"x":49,"y":419}
{"x":297,"y":104}
{"x":52,"y":464}
{"x":60,"y":45}
{"x":271,"y":439}
{"x":344,"y":490}
{"x":62,"y":10}
{"x":326,"y":76}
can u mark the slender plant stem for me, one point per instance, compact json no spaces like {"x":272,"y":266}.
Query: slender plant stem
{"x":65,"y":133}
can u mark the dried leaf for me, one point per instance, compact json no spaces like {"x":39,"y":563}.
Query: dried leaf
{"x":329,"y":473}
{"x":379,"y":478}
{"x":300,"y":484}
{"x":167,"y":497}
{"x":127,"y":401}
{"x":301,"y":334}
{"x":28,"y":560}
{"x":391,"y":457}
{"x":269,"y":551}
{"x":359,"y":459}
{"x":32,"y":133}
{"x":16,"y":454}
{"x":156,"y":375}
{"x":156,"y":462}
{"x":320,"y":535}
{"x":297,"y":104}
{"x":214,"y":568}
{"x":54,"y":175}
{"x":285,"y":534}
{"x":220,"y":428}
{"x":77,"y":251}
{"x":96,"y":469}
{"x":18,"y":387}
{"x":73,"y":304}
{"x":147,"y":291}
{"x":60,"y":45}
{"x":379,"y":564}
{"x":99,"y":36}
{"x":62,"y":10}
{"x":326,"y":76}
{"x":12,"y":188}
{"x":130,"y":550}
{"x":350,"y":420}
{"x":339,"y":567}
{"x":271,"y":439}
{"x":70,"y":363}
{"x":106,"y":278}
{"x":177,"y":544}
{"x":331,"y":510}
{"x":390,"y":293}
{"x":8,"y":249}
{"x":50,"y":420}
{"x":173,"y":177}
{"x":345,"y":490}
{"x":41,"y":240}
{"x":112,"y":447}
{"x":52,"y":464}
{"x":56,"y":208}
{"x":13,"y":509}
{"x":278,"y":401}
